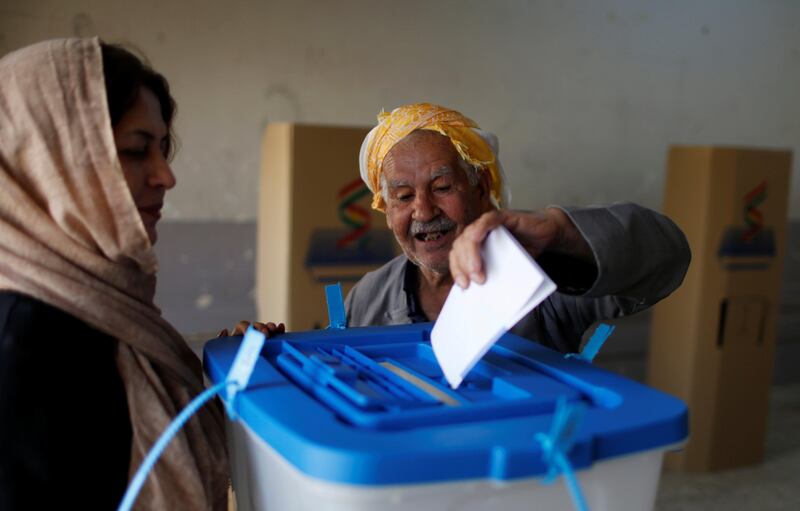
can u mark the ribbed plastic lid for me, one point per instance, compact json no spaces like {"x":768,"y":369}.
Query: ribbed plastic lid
{"x":371,"y":406}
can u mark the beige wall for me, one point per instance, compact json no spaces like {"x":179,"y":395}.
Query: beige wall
{"x":584,"y":95}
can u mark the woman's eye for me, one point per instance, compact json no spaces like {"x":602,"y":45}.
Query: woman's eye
{"x":166,"y":148}
{"x":442,"y":188}
{"x":135,"y":153}
{"x":404,"y":198}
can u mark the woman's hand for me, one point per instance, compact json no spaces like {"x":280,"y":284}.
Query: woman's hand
{"x":269,"y":329}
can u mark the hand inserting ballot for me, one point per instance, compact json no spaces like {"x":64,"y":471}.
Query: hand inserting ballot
{"x":545,"y":230}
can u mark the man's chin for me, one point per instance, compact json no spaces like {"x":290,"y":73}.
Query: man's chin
{"x":433,"y":267}
{"x":431,"y":264}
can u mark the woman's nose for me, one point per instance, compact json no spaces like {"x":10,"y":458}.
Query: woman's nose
{"x":162,"y":174}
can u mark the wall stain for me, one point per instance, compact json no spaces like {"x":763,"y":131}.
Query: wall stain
{"x":204,"y":301}
{"x":282,"y":104}
{"x":83,"y":25}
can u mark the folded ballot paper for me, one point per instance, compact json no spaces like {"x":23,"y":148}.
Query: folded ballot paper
{"x":473,"y":319}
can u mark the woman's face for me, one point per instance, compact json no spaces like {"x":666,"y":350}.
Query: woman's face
{"x":142,"y":140}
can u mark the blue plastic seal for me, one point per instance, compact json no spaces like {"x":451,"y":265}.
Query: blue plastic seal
{"x":237,"y":379}
{"x":336,"y":313}
{"x":596,"y":341}
{"x":242,"y":367}
{"x":557,"y":444}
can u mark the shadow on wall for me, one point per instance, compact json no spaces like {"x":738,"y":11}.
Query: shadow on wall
{"x":206,"y":279}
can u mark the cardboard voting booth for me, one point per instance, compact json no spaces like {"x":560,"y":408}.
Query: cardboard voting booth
{"x":713,"y":340}
{"x":315,"y":225}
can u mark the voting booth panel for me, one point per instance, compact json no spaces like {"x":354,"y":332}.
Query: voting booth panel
{"x":315,"y":224}
{"x":713,"y":340}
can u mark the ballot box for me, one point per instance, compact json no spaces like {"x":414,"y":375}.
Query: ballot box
{"x":363,"y":419}
{"x":713,"y":340}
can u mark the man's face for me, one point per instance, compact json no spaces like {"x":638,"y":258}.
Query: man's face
{"x":430,"y":199}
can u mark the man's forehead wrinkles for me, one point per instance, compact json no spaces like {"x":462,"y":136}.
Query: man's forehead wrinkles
{"x":397,"y":183}
{"x":444,"y":170}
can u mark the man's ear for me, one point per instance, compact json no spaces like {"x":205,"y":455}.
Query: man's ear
{"x":485,"y":189}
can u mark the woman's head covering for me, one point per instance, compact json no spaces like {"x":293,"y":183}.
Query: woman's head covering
{"x":71,"y":236}
{"x":477,"y":147}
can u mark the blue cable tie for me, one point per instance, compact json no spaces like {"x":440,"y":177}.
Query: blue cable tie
{"x":155,"y":452}
{"x":596,"y":341}
{"x":237,"y":380}
{"x":242,"y":367}
{"x":558,"y":442}
{"x":336,"y":313}
{"x":572,"y":482}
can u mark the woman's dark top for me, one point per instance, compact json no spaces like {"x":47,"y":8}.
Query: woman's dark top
{"x":65,"y":432}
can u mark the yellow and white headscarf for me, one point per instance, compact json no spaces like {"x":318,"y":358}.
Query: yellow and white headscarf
{"x":477,"y":147}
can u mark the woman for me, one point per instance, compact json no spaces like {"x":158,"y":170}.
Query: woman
{"x":90,"y":373}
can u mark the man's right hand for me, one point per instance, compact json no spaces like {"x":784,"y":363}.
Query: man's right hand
{"x":537,"y":231}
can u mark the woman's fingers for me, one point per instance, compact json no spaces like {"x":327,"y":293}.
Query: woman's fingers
{"x":273,"y":329}
{"x":269,"y":329}
{"x":240,"y":328}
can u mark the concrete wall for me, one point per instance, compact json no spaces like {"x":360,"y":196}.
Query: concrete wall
{"x":584,"y":95}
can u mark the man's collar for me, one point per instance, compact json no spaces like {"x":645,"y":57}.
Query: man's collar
{"x":410,"y":286}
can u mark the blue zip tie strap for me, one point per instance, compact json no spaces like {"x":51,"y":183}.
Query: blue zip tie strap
{"x":242,"y":367}
{"x":595,"y":342}
{"x":237,"y":380}
{"x":557,"y":444}
{"x":336,"y":313}
{"x":155,"y":452}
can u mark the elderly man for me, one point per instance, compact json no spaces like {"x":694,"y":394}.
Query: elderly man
{"x":438,"y":178}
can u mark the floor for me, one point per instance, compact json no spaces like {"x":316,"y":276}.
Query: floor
{"x":771,"y":486}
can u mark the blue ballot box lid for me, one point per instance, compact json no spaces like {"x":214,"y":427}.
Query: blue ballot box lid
{"x":370,"y":406}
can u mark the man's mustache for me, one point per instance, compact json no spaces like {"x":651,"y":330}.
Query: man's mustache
{"x":440,"y":223}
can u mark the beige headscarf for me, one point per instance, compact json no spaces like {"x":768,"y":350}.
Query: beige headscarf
{"x":71,"y":236}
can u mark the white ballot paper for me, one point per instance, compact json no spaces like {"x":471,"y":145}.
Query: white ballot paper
{"x":473,"y":319}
